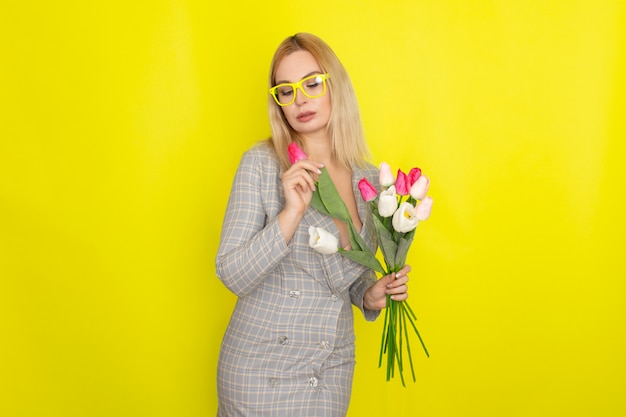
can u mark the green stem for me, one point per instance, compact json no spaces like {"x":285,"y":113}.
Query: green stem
{"x":398,"y":337}
{"x":383,"y":343}
{"x":418,"y":336}
{"x":410,"y":310}
{"x":406,"y":335}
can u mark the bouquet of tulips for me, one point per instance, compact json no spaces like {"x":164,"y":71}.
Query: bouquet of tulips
{"x":396,"y":212}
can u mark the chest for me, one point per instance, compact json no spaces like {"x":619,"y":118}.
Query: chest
{"x":342,"y":178}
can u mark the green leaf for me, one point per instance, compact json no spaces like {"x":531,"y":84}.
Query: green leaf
{"x":365,"y":258}
{"x":326,"y":200}
{"x":387,"y":245}
{"x":356,"y":240}
{"x":317,"y":204}
{"x":330,"y":197}
{"x":402,"y":251}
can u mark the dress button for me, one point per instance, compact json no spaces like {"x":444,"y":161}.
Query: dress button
{"x":283,"y":340}
{"x":312,"y":382}
{"x":325,"y":344}
{"x":294,"y":293}
{"x":334,"y":297}
{"x":273,"y":382}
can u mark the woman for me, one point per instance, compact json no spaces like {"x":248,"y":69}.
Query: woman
{"x":289,"y":347}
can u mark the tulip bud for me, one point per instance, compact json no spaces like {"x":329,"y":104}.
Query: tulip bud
{"x":422,"y":211}
{"x":388,"y":202}
{"x":402,"y":183}
{"x":295,"y":153}
{"x":420,"y":188}
{"x":322,"y":241}
{"x":414,"y":175}
{"x":385,"y":177}
{"x":368,"y":191}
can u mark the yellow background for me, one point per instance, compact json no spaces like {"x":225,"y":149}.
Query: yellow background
{"x":121,"y":125}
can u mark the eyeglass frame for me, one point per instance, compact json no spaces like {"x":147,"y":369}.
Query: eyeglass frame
{"x":298,"y":86}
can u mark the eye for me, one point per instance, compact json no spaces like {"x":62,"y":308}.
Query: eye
{"x":314,"y":82}
{"x":285,"y":91}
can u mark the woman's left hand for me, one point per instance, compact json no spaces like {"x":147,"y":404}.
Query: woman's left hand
{"x":394,"y":284}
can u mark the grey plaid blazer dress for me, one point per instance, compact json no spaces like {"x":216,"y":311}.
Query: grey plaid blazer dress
{"x":289,"y":347}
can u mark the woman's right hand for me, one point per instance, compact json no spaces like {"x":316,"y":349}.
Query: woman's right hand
{"x":298,"y":186}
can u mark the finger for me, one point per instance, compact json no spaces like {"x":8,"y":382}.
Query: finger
{"x":309,"y":165}
{"x":312,"y":173}
{"x":398,"y":281}
{"x":300,"y":178}
{"x":397,"y":289}
{"x":399,"y":297}
{"x":387,"y":280}
{"x":405,"y":270}
{"x":309,"y":182}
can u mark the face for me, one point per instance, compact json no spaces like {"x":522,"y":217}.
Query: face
{"x":305,"y":115}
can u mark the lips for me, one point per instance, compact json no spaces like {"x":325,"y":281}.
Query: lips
{"x":305,"y":116}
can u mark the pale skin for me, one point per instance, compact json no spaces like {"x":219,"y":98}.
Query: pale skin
{"x":309,"y":117}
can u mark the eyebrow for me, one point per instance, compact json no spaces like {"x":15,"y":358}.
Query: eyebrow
{"x":307,"y":75}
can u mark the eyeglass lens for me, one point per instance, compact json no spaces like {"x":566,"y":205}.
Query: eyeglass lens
{"x":311,"y":86}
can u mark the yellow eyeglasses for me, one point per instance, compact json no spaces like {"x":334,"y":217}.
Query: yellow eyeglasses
{"x":312,"y":87}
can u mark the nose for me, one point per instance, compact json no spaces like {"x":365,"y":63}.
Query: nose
{"x":301,"y":98}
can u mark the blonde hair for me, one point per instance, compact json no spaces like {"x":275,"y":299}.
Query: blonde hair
{"x":344,"y":127}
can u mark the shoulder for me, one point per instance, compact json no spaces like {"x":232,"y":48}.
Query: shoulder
{"x":261,"y":156}
{"x":367,"y":170}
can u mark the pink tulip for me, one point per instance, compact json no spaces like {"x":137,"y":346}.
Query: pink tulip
{"x":402,"y":183}
{"x":414,"y":175}
{"x":385,"y":178}
{"x":420,"y":188}
{"x":422,"y":211}
{"x":368,"y":191}
{"x":295,"y":153}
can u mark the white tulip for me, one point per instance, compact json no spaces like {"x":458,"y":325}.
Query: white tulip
{"x":404,"y":219}
{"x":388,"y":202}
{"x":322,"y":241}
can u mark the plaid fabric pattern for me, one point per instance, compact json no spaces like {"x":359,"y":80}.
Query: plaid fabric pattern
{"x":289,"y":347}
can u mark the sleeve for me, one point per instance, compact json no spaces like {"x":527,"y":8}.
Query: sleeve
{"x":367,"y":278}
{"x":251,"y":246}
{"x":357,"y":292}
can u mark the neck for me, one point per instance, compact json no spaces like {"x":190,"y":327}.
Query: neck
{"x":319,"y":149}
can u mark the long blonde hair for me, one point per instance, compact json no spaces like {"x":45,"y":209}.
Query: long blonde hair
{"x":344,"y":127}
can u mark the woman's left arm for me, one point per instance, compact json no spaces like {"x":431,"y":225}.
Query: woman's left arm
{"x":394,"y":284}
